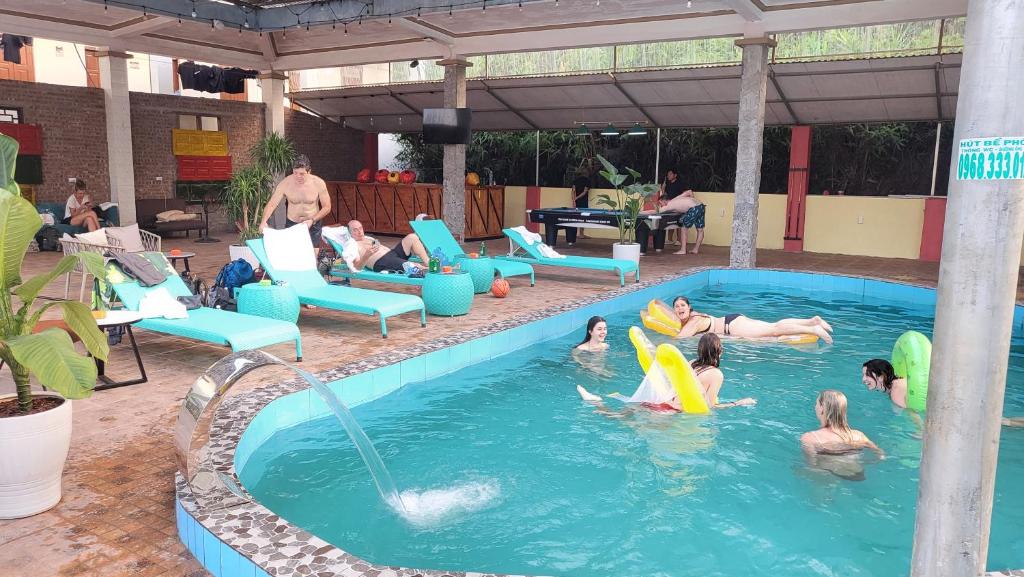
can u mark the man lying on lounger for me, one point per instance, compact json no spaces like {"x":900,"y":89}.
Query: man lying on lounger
{"x":378,"y":258}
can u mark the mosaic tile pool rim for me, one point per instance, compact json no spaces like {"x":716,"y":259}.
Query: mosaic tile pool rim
{"x":250,"y":540}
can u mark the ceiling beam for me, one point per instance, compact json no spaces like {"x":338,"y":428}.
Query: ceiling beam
{"x":145,"y":24}
{"x":938,"y":91}
{"x":632,"y":100}
{"x":745,"y":8}
{"x":401,"y":101}
{"x":782,"y":95}
{"x":268,"y":48}
{"x":510,"y":108}
{"x":427,"y":32}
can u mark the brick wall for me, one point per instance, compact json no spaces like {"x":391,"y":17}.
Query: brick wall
{"x":74,"y":135}
{"x":336,"y":153}
{"x":155,"y":115}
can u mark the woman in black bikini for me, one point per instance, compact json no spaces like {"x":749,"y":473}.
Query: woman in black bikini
{"x":737,"y":325}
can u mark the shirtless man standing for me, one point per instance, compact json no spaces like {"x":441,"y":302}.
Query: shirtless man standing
{"x":304,"y":193}
{"x":693,"y":215}
{"x":377,"y":258}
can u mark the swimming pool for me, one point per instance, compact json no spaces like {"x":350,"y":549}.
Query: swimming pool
{"x":533,"y":481}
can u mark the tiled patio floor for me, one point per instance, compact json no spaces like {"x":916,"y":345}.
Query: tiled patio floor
{"x":117,"y":516}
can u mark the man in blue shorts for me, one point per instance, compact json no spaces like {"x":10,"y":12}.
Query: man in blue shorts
{"x":693,"y":217}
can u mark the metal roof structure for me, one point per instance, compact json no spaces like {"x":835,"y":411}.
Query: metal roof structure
{"x":285,"y":35}
{"x":838,"y":91}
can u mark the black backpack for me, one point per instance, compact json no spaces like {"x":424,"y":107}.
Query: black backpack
{"x":48,"y":238}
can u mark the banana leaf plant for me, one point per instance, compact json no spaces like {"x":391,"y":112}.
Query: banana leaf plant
{"x":50,"y":355}
{"x":629,"y":198}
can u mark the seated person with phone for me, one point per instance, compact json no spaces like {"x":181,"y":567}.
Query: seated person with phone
{"x":79,"y":210}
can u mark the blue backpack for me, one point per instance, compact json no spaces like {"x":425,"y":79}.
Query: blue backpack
{"x":233,"y":275}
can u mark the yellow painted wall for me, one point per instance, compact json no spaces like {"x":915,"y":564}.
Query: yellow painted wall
{"x":515,"y":206}
{"x":864,"y":225}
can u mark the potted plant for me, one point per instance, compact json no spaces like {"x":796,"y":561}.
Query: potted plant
{"x":250,"y":188}
{"x":35,"y":427}
{"x":629,"y":200}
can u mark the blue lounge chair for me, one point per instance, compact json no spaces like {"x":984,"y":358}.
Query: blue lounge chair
{"x":534,"y":256}
{"x":314,"y":290}
{"x":239,"y":331}
{"x":435,"y":235}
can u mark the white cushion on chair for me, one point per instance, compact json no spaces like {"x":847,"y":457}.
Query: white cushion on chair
{"x":167,"y":215}
{"x":127,"y":236}
{"x":95,"y":237}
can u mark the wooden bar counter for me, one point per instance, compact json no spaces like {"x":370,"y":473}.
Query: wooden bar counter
{"x":387,"y":208}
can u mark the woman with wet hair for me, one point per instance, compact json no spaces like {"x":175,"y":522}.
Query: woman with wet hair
{"x":742,"y":326}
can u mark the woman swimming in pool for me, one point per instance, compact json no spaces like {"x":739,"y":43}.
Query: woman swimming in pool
{"x":878,"y":375}
{"x":835,"y":435}
{"x":737,"y":325}
{"x":705,"y":366}
{"x":597,"y":331}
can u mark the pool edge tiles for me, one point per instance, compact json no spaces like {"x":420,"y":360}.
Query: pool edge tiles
{"x":248,"y":539}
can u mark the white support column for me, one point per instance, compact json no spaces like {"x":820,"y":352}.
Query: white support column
{"x":272,"y":88}
{"x":981,"y":247}
{"x":749,"y":148}
{"x":120,"y":160}
{"x":454,"y":184}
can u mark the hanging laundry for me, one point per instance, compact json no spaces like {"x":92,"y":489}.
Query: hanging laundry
{"x":12,"y":44}
{"x":213,"y":78}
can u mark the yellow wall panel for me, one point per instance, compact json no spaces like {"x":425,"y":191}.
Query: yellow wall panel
{"x":864,"y":225}
{"x":199,"y":142}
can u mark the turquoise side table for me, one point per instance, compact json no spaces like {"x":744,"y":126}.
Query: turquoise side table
{"x":448,"y":295}
{"x":481,"y":270}
{"x":272,"y":301}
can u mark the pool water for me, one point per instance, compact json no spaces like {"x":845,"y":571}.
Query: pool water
{"x":543,"y":483}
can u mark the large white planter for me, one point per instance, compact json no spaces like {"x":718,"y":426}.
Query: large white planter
{"x":627,"y":251}
{"x":238,"y":251}
{"x":33,"y":449}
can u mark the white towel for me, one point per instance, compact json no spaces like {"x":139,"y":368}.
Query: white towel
{"x":289,"y":249}
{"x":350,"y":248}
{"x":548,"y":251}
{"x":159,"y":303}
{"x":529,"y":236}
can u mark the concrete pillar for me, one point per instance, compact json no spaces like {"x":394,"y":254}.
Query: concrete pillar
{"x":981,"y":249}
{"x":272,"y":88}
{"x":272,"y":85}
{"x":120,"y":159}
{"x":753,"y":86}
{"x":454,"y":183}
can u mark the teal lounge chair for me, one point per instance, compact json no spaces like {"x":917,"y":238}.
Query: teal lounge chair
{"x":314,"y":290}
{"x":435,"y":235}
{"x":239,"y":331}
{"x":342,"y":270}
{"x":534,"y":256}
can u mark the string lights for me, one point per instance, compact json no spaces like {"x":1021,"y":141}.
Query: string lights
{"x":332,"y":17}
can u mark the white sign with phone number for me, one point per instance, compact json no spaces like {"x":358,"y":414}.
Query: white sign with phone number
{"x":995,"y":158}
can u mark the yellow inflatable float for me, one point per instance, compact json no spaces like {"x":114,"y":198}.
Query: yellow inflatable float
{"x":661,"y":318}
{"x":668,"y":375}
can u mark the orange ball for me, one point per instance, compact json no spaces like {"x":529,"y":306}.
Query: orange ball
{"x":500,"y":288}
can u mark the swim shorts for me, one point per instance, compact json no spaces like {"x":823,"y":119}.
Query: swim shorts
{"x":693,"y":217}
{"x":393,"y":260}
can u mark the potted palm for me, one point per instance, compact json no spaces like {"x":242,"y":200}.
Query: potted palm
{"x":35,"y":427}
{"x":629,"y":200}
{"x":250,"y":188}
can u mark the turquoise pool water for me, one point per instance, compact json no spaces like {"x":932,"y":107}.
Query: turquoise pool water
{"x":509,"y":472}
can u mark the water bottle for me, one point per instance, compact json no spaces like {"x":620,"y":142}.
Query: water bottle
{"x":434,"y":265}
{"x":483,"y":249}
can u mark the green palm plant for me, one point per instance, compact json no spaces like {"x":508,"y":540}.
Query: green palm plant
{"x":629,"y":198}
{"x":250,"y":188}
{"x":50,"y":355}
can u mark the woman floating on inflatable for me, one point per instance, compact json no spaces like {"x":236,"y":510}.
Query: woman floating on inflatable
{"x":683,"y":321}
{"x":672,"y":383}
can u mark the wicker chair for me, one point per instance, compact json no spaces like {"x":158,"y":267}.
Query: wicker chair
{"x":150,"y":242}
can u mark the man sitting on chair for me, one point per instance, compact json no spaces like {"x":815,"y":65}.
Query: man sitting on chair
{"x":378,"y":258}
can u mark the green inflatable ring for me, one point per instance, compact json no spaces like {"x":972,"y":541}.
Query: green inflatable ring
{"x":911,"y":357}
